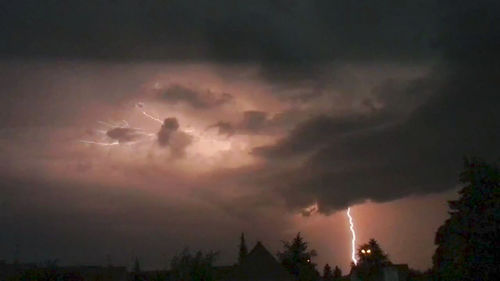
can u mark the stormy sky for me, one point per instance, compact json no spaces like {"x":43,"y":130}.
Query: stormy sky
{"x":135,"y":128}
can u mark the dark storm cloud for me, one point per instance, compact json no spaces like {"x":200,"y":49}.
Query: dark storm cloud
{"x":398,"y":96}
{"x":452,"y":111}
{"x":224,"y":128}
{"x":410,"y":140}
{"x":170,"y":136}
{"x":293,"y":33}
{"x":421,"y":154}
{"x":169,"y":126}
{"x":124,"y":135}
{"x":255,"y":122}
{"x":200,"y":100}
{"x":318,"y":131}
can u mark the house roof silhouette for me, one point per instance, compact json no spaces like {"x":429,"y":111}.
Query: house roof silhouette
{"x":259,"y":265}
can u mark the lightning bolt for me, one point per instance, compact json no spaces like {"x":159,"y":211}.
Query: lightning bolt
{"x":124,"y":124}
{"x":140,"y":106}
{"x":151,"y":117}
{"x":353,"y":241}
{"x":114,"y":125}
{"x":100,"y":143}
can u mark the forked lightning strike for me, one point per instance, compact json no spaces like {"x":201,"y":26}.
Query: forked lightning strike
{"x":353,"y":241}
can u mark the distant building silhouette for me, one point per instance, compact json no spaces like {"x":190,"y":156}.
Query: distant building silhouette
{"x":259,"y":265}
{"x":394,"y":272}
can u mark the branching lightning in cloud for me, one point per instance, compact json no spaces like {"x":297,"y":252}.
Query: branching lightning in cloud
{"x":140,"y":106}
{"x":120,"y":133}
{"x":353,"y":232}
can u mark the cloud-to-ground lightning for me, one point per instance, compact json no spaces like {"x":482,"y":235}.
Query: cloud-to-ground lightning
{"x":353,"y":241}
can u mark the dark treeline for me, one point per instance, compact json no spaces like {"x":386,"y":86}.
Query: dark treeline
{"x":469,"y":241}
{"x":468,"y":249}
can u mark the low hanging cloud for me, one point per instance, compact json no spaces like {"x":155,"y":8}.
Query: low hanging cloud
{"x":382,"y":158}
{"x":207,"y":99}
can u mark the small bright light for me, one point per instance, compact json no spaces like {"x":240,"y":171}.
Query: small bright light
{"x":368,"y":251}
{"x":363,"y":251}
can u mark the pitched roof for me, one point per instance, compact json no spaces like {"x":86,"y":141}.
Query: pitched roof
{"x":259,"y":265}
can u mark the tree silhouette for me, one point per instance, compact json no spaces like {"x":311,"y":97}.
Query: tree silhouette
{"x":327,"y":273}
{"x":197,"y":267}
{"x":371,"y":261}
{"x":137,"y":270}
{"x":371,"y":254}
{"x":297,"y":259}
{"x":337,"y":273}
{"x":243,"y":252}
{"x":46,"y":271}
{"x":468,"y":242}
